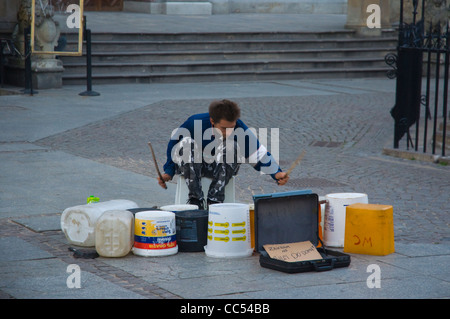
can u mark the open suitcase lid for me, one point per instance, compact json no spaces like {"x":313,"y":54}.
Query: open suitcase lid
{"x":286,"y":218}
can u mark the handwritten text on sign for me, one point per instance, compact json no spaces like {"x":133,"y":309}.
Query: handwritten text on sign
{"x":293,"y":252}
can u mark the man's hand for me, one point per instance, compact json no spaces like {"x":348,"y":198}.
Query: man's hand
{"x":166,"y":178}
{"x":282,"y":178}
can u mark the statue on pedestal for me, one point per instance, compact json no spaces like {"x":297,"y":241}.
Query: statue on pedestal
{"x":46,"y":69}
{"x":437,"y":12}
{"x":46,"y":35}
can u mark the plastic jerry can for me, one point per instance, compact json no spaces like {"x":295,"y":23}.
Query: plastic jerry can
{"x":369,"y":229}
{"x":78,"y":222}
{"x":114,"y":233}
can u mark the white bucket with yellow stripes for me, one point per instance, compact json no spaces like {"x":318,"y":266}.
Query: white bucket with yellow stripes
{"x":229,"y":231}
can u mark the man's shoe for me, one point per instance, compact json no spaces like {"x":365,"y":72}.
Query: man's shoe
{"x":211,"y":202}
{"x":196,"y":201}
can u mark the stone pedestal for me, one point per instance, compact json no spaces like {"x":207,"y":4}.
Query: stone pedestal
{"x":45,"y":73}
{"x":45,"y":68}
{"x":357,"y":16}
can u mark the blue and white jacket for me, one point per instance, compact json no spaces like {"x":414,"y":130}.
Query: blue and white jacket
{"x":254,"y":152}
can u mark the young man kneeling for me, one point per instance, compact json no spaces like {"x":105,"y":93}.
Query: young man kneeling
{"x":214,"y":145}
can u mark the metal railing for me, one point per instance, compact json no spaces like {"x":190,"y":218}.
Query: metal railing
{"x":418,"y":48}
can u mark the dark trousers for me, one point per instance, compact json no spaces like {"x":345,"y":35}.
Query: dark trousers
{"x":193,"y":168}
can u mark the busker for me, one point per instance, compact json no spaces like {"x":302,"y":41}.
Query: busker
{"x":214,"y":145}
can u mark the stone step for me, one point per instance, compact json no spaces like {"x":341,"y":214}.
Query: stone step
{"x":250,"y":44}
{"x":226,"y":36}
{"x":440,"y":136}
{"x":447,"y":126}
{"x":263,"y":75}
{"x":222,"y":65}
{"x":439,"y":139}
{"x":225,"y":56}
{"x":208,"y":55}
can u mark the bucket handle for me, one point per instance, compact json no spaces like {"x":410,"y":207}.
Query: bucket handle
{"x":321,"y":266}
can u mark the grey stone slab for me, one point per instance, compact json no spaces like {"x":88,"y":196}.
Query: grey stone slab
{"x":47,"y":279}
{"x":181,"y":266}
{"x":20,"y":147}
{"x":21,"y":209}
{"x":432,"y":266}
{"x":422,"y":249}
{"x":218,"y":278}
{"x":16,"y":249}
{"x":40,"y":223}
{"x":356,"y":271}
{"x":358,"y":85}
{"x":57,"y":180}
{"x":400,"y":288}
{"x":214,"y":286}
{"x":325,"y":88}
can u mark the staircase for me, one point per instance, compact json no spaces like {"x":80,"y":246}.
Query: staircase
{"x":197,"y":57}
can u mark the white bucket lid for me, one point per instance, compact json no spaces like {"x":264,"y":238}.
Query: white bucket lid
{"x":180,"y":207}
{"x":152,"y":214}
{"x":346,"y":195}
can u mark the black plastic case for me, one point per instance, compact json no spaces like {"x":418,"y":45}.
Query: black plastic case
{"x":289,"y":218}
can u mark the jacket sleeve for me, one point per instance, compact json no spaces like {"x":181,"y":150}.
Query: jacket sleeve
{"x":254,"y":152}
{"x":186,"y":128}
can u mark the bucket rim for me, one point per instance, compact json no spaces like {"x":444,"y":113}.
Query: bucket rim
{"x":153,"y":214}
{"x":229,"y":205}
{"x":346,"y":195}
{"x":178,"y":207}
{"x":195,"y":213}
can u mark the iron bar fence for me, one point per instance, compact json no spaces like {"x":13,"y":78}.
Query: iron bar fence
{"x":421,"y":44}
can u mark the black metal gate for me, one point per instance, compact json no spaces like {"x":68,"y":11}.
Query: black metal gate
{"x":422,"y":55}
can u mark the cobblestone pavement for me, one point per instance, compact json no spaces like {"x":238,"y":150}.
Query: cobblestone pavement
{"x":343,"y":135}
{"x":55,"y":147}
{"x":56,"y":245}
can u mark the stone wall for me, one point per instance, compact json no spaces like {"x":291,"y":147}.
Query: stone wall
{"x":8,"y":15}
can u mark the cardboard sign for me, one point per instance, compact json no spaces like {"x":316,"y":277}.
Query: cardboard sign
{"x":293,"y":252}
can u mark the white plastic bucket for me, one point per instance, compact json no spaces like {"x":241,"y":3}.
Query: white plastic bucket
{"x":78,"y":222}
{"x":335,"y":210}
{"x":179,"y":208}
{"x":114,"y":233}
{"x":229,"y":231}
{"x":155,"y":234}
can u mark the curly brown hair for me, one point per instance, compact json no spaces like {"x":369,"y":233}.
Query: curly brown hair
{"x":224,"y":109}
